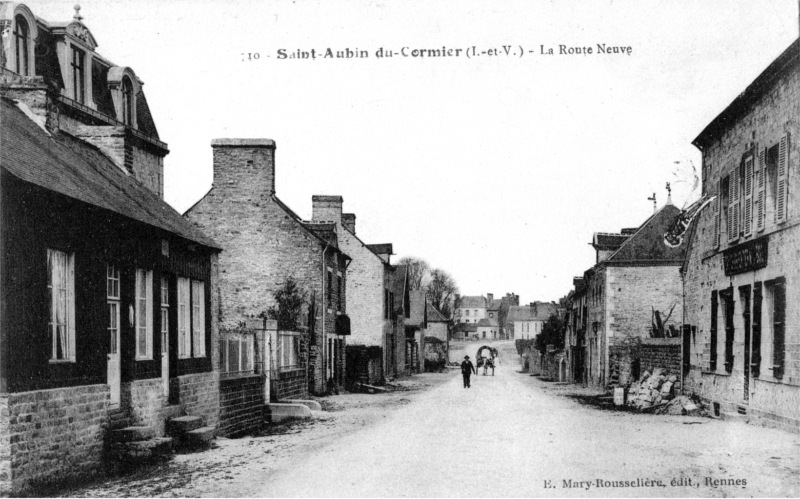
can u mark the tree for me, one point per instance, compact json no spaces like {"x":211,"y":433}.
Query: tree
{"x":552,"y":334}
{"x":441,"y":290}
{"x":288,"y":308}
{"x":418,"y":271}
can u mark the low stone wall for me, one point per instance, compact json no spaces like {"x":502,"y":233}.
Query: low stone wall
{"x":435,"y":354}
{"x":629,"y":359}
{"x":289,"y":385}
{"x":48,"y":436}
{"x":241,"y":404}
{"x":199,"y":396}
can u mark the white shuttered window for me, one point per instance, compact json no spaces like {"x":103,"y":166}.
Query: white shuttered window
{"x":144,"y":314}
{"x":198,"y":319}
{"x":184,"y":319}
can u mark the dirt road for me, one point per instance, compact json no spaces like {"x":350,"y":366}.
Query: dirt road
{"x":509,"y":435}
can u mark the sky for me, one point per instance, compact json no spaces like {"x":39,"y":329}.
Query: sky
{"x":495,"y":168}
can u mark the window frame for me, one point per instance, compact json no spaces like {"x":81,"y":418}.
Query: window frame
{"x":24,"y":49}
{"x":78,"y":70}
{"x":68,"y":340}
{"x":113,"y":301}
{"x":198,"y":317}
{"x":246,"y":355}
{"x":184,"y":318}
{"x":144,"y":307}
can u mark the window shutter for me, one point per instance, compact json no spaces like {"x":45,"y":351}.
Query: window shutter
{"x":717,"y":215}
{"x":733,"y":205}
{"x":747,"y":219}
{"x":712,"y":361}
{"x":755,"y":356}
{"x":760,"y":208}
{"x":783,"y":173}
{"x":779,"y":329}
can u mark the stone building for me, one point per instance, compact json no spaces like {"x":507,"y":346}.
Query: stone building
{"x":488,"y":329}
{"x":266,"y":243}
{"x":470,"y":309}
{"x":742,"y":278}
{"x":628,"y":290}
{"x":109,"y":296}
{"x":376,"y":343}
{"x":525,"y":322}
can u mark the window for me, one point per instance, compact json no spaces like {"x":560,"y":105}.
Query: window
{"x":747,"y":196}
{"x":21,"y":38}
{"x":727,"y":297}
{"x":491,"y":315}
{"x":78,"y":75}
{"x":329,"y":288}
{"x":288,"y":351}
{"x":61,"y":288}
{"x":112,"y":299}
{"x":725,"y":218}
{"x":755,"y":361}
{"x":778,"y":327}
{"x":236,"y":354}
{"x":144,"y":314}
{"x":781,"y":199}
{"x":198,"y":319}
{"x":339,"y":293}
{"x":184,"y":320}
{"x":712,"y":363}
{"x":127,"y":101}
{"x":467,"y":313}
{"x":164,"y":314}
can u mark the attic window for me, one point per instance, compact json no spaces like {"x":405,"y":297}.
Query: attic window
{"x":127,"y":101}
{"x":22,"y":37}
{"x":78,"y":75}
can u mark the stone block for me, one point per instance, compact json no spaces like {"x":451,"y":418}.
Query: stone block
{"x":133,"y":434}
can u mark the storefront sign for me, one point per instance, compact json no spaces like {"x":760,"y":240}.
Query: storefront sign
{"x":746,"y":257}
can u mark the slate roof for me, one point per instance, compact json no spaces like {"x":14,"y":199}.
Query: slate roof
{"x":472,"y":302}
{"x":541,"y":312}
{"x":495,"y":305}
{"x":465,"y":328}
{"x":607,"y":241}
{"x":434,"y":315}
{"x":488,"y":323}
{"x":69,"y":166}
{"x":381,"y":249}
{"x":647,"y":244}
{"x":326,"y":231}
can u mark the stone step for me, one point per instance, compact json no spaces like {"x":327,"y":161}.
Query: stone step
{"x":118,"y":419}
{"x":280,"y":412}
{"x":141,"y":450}
{"x":311,"y":404}
{"x":180,"y":425}
{"x":200,"y":437}
{"x":133,"y":434}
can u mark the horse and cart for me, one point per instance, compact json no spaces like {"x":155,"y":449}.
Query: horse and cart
{"x":486,"y":358}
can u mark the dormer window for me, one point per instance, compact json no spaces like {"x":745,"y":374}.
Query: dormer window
{"x":127,"y":101}
{"x":22,"y":43}
{"x":78,"y":75}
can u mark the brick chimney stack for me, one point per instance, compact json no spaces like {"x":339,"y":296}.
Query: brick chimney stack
{"x":349,"y":221}
{"x":246,"y":165}
{"x":489,"y":298}
{"x":327,"y":209}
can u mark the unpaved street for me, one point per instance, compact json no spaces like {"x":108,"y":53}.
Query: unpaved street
{"x":509,"y":435}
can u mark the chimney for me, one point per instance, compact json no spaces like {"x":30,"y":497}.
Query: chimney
{"x":327,"y":209}
{"x":489,"y":297}
{"x":245,"y":165}
{"x":349,"y":221}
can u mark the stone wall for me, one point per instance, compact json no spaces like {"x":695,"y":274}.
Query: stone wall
{"x":364,"y":365}
{"x":241,"y":404}
{"x":199,"y":395}
{"x":629,"y":359}
{"x":49,"y":436}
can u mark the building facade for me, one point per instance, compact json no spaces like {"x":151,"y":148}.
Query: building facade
{"x":108,"y":316}
{"x":265,"y":244}
{"x":742,"y":278}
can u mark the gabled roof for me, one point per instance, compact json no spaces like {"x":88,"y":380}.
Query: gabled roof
{"x":495,"y":305}
{"x":472,"y":302}
{"x":647,"y":244}
{"x":463,"y":327}
{"x":488,"y":323}
{"x":73,"y":168}
{"x":434,"y":315}
{"x":381,"y":249}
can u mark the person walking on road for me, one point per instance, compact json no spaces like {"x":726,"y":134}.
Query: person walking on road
{"x":466,"y":370}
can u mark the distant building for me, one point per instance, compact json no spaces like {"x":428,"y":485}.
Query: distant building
{"x":525,"y":322}
{"x":470,"y":309}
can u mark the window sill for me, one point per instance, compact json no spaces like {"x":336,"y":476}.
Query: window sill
{"x":62,"y":361}
{"x":715,"y":373}
{"x":143,"y":359}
